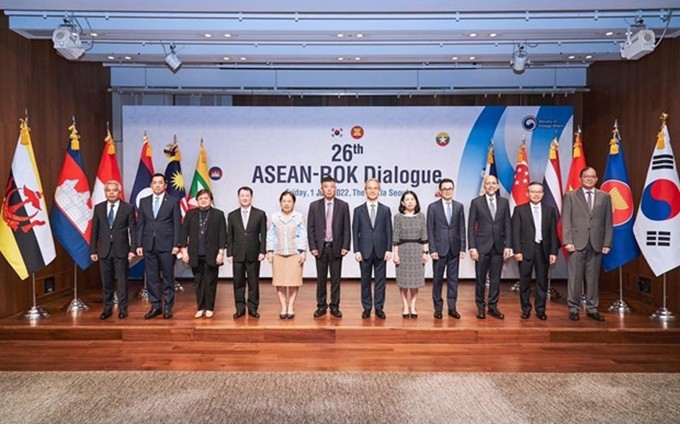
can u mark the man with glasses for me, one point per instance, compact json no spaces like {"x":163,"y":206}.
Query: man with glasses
{"x":446,"y":236}
{"x":587,"y":234}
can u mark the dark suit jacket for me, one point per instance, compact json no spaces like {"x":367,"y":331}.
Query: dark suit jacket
{"x":316,"y":226}
{"x":215,"y":236}
{"x":371,"y":240}
{"x":580,"y":225}
{"x":160,"y":233}
{"x":442,"y":236}
{"x":246,"y":244}
{"x":486,"y":233}
{"x":119,"y":240}
{"x":524,"y":230}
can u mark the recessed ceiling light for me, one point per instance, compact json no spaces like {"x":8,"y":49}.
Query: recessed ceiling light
{"x":111,"y":57}
{"x":590,"y":56}
{"x":454,"y":58}
{"x":94,"y":34}
{"x":128,"y":58}
{"x":608,"y":33}
{"x":227,"y":35}
{"x":472,"y":57}
{"x":360,"y":35}
{"x":226,"y":58}
{"x":243,"y":58}
{"x":473,"y":34}
{"x":207,"y":35}
{"x":357,"y":58}
{"x":341,"y":59}
{"x":339,"y":35}
{"x":572,"y":57}
{"x":492,"y":35}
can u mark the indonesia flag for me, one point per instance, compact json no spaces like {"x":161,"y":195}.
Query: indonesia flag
{"x":657,"y":226}
{"x":578,"y":162}
{"x":520,"y":185}
{"x":142,"y":185}
{"x":71,"y":213}
{"x":108,"y":171}
{"x":552,"y":184}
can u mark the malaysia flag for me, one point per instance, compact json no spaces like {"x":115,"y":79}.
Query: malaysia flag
{"x":71,"y":213}
{"x":174,"y":176}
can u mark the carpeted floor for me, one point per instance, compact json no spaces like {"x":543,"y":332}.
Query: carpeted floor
{"x":325,"y":397}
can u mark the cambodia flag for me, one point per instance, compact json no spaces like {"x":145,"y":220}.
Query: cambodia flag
{"x":71,"y":213}
{"x":142,"y":185}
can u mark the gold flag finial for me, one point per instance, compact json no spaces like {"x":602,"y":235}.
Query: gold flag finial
{"x":554,"y":145}
{"x":74,"y":136}
{"x":614,"y":142}
{"x":660,"y":137}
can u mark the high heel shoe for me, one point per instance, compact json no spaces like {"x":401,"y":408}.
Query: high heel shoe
{"x":406,"y":315}
{"x":414,"y":314}
{"x":283,"y":316}
{"x":290,"y":315}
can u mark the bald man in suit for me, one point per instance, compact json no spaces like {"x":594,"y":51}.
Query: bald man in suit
{"x":587,"y":229}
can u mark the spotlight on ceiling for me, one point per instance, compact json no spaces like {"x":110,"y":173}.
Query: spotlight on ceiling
{"x":67,"y":43}
{"x":520,"y":59}
{"x":172,"y":60}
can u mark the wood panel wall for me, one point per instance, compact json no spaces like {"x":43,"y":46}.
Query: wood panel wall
{"x":53,"y":90}
{"x":635,"y":93}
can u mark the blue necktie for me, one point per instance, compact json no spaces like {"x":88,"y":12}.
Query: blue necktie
{"x":449,"y":213}
{"x":111,"y":216}
{"x":156,"y":205}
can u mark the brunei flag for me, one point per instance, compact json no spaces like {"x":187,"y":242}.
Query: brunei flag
{"x":108,"y":171}
{"x":25,"y":234}
{"x":201,"y":178}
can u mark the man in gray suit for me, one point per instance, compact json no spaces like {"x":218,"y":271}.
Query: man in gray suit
{"x":587,"y":234}
{"x":372,"y":234}
{"x":446,"y":236}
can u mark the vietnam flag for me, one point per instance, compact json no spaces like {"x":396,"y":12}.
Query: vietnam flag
{"x":25,"y":234}
{"x":108,"y":171}
{"x":578,"y":162}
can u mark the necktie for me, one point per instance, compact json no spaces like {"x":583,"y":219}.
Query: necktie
{"x":244,"y":215}
{"x":329,"y":221}
{"x":372,"y":215}
{"x":111,"y":216}
{"x":492,"y":207}
{"x":537,"y":224}
{"x":589,"y":199}
{"x":156,"y":205}
{"x":449,"y":213}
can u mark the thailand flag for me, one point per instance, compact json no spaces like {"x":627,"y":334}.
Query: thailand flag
{"x":615,"y":182}
{"x":142,"y":185}
{"x":108,"y":171}
{"x":71,"y":213}
{"x":552,"y":184}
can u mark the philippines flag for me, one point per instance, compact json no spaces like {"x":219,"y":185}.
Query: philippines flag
{"x":142,"y":185}
{"x":174,"y":177}
{"x":615,"y":182}
{"x":71,"y":212}
{"x":490,"y":168}
{"x":108,"y":171}
{"x":552,"y":184}
{"x":657,"y":226}
{"x":25,"y":235}
{"x":520,"y":185}
{"x":578,"y":162}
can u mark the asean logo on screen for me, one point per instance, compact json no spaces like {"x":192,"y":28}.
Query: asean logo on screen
{"x":622,"y":200}
{"x":660,"y":200}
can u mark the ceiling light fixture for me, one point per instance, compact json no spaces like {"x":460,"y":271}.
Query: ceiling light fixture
{"x":172,"y":60}
{"x":520,"y":59}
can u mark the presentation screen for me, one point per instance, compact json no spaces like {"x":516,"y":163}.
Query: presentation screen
{"x":272,"y":149}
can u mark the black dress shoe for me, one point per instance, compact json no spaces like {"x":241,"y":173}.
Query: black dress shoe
{"x":167,"y":314}
{"x":290,"y":316}
{"x":496,"y":314}
{"x":481,"y":314}
{"x":380,"y":314}
{"x":239,"y":314}
{"x":541,"y":315}
{"x":106,"y":314}
{"x":526,"y":315}
{"x":366,"y":314}
{"x":454,"y":314}
{"x":122,"y":314}
{"x":283,"y":316}
{"x":596,"y":316}
{"x":336,"y":313}
{"x":254,"y":314}
{"x":438,"y":314}
{"x":414,"y":316}
{"x":406,"y":316}
{"x":319,"y":313}
{"x":152,"y":313}
{"x":573,"y":316}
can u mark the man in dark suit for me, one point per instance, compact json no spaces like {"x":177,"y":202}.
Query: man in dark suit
{"x":446,"y":236}
{"x":490,"y":239}
{"x":159,"y":224}
{"x":372,"y":234}
{"x":246,"y":248}
{"x":587,"y":234}
{"x":329,"y":236}
{"x":112,"y":244}
{"x":535,"y":244}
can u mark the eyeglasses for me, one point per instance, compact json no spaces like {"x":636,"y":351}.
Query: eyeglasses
{"x":446,"y":189}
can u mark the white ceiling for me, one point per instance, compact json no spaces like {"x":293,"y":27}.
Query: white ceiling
{"x":346,"y":36}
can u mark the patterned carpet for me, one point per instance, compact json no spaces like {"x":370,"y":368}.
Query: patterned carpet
{"x":325,"y":397}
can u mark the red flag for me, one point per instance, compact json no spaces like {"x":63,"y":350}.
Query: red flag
{"x":578,"y":162}
{"x":108,"y":171}
{"x":520,"y":185}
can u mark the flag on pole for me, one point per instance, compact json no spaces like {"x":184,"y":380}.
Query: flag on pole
{"x":108,"y":171}
{"x":520,"y":185}
{"x":657,"y":226}
{"x":25,"y":234}
{"x":490,"y":168}
{"x":174,"y":177}
{"x":615,"y":182}
{"x":578,"y":162}
{"x":552,"y":184}
{"x":201,"y":178}
{"x":142,"y":185}
{"x":71,"y":212}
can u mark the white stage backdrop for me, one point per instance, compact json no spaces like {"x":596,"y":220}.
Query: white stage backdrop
{"x":275,"y":148}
